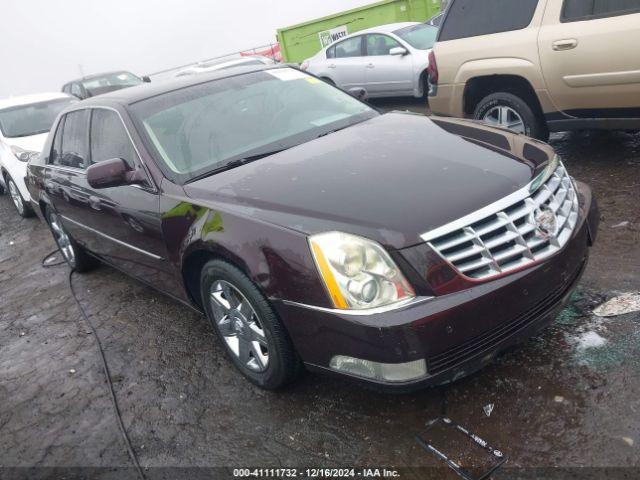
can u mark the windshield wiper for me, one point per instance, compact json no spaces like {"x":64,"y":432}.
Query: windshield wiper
{"x":236,"y":162}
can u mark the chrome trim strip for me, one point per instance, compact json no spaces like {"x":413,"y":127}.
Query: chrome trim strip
{"x":484,"y":212}
{"x":78,"y":171}
{"x":115,"y":240}
{"x":360,"y":313}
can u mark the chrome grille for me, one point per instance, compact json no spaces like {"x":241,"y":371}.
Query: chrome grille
{"x":506,"y":235}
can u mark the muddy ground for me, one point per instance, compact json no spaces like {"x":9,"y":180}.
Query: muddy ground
{"x":556,"y":403}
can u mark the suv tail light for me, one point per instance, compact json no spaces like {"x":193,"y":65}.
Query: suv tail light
{"x":432,"y":69}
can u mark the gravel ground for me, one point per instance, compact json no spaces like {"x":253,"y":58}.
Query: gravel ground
{"x":558,"y":402}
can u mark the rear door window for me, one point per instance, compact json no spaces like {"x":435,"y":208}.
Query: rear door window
{"x":73,"y":150}
{"x":351,"y":47}
{"x":471,"y":18}
{"x":577,"y":10}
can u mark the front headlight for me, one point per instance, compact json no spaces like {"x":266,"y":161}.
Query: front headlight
{"x":358,"y":273}
{"x":22,"y":154}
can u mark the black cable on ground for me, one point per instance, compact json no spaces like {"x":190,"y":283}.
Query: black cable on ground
{"x":105,"y":366}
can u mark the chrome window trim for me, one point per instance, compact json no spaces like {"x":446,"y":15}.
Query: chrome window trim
{"x":79,"y":171}
{"x":115,"y":240}
{"x":124,"y":125}
{"x":492,"y":208}
{"x":399,"y":306}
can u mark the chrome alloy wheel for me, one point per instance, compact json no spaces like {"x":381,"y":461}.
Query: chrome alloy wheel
{"x":62,"y":239}
{"x":239,"y":325}
{"x":16,"y":197}
{"x":506,"y":117}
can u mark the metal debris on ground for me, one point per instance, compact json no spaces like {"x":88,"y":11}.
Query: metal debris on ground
{"x":625,"y":303}
{"x":558,"y":399}
{"x":488,"y":409}
{"x":442,"y":434}
{"x":72,"y":371}
{"x":628,"y":441}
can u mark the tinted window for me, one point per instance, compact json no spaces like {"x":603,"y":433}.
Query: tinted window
{"x":109,"y":139}
{"x":419,"y":36}
{"x":74,"y":151}
{"x":380,"y":44}
{"x":573,"y":10}
{"x":56,"y":148}
{"x":75,"y":90}
{"x":470,"y":18}
{"x":31,"y":119}
{"x":331,"y":53}
{"x":351,"y":47}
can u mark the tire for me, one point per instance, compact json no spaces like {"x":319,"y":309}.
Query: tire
{"x":22,"y":207}
{"x":247,"y":326}
{"x":76,"y":257}
{"x":532,"y":124}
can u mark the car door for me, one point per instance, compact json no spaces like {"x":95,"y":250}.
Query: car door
{"x":125,"y":219}
{"x":387,"y":74}
{"x":348,"y":68}
{"x":589,"y":57}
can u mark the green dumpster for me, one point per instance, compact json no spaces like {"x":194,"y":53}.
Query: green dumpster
{"x":302,"y":41}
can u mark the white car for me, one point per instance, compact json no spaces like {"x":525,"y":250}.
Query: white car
{"x":386,"y":61}
{"x":24,"y":125}
{"x":225,"y":64}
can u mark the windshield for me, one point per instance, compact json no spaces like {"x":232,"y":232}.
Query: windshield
{"x":111,"y":82}
{"x":32,"y":119}
{"x":419,"y":36}
{"x":202,"y":128}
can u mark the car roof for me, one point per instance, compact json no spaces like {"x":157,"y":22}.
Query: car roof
{"x":216,"y":64}
{"x":98,"y":75}
{"x":33,"y":98}
{"x":131,"y":95}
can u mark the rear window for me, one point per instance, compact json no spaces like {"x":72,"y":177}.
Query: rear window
{"x":576,"y":10}
{"x":471,"y":18}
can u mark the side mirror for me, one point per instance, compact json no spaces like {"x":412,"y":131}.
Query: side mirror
{"x":400,"y":51}
{"x":110,"y":173}
{"x":146,"y":79}
{"x":359,"y":93}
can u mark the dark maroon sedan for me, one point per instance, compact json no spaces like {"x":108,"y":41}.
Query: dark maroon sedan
{"x":395,"y":249}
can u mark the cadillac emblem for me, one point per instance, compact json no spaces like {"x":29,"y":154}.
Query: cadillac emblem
{"x":546,"y":222}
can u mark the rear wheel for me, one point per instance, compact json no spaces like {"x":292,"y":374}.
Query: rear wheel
{"x":509,"y":111}
{"x":23,"y":208}
{"x":251,"y":332}
{"x":75,"y":256}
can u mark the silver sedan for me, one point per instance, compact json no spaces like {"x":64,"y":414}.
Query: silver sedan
{"x":387,"y":61}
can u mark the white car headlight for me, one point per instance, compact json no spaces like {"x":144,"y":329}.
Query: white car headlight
{"x":358,"y":273}
{"x":22,"y":154}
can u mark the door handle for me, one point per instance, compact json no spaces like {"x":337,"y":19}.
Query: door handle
{"x":566,"y":44}
{"x":333,"y":65}
{"x":371,"y":65}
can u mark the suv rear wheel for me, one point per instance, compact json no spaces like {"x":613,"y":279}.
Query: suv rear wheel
{"x":23,"y":207}
{"x":509,"y":111}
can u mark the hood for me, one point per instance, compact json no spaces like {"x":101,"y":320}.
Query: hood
{"x":390,"y":179}
{"x":35,"y":143}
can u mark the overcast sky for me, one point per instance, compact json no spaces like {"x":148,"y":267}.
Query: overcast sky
{"x":43,"y":42}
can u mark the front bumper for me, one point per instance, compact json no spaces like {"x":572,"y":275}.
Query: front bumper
{"x":457,"y":333}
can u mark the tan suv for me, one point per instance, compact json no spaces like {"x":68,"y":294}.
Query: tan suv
{"x":536,"y":66}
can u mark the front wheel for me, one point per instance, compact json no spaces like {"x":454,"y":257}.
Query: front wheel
{"x":509,"y":111}
{"x":23,"y":208}
{"x":251,"y":332}
{"x":75,"y":256}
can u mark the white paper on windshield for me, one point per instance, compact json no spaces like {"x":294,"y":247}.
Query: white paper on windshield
{"x":287,"y":74}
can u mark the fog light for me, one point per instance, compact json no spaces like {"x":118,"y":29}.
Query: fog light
{"x":384,"y":372}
